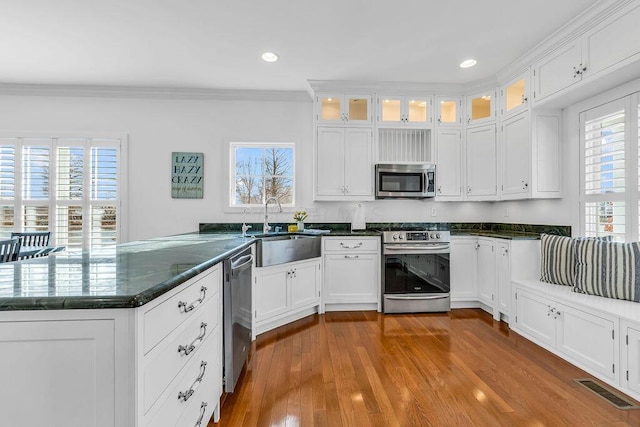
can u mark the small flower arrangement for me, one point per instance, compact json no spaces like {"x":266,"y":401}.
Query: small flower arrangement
{"x":299,"y":216}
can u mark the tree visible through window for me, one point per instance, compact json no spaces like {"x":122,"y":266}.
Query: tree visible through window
{"x":261,"y":171}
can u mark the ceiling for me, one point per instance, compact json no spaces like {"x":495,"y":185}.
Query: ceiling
{"x":214,"y":44}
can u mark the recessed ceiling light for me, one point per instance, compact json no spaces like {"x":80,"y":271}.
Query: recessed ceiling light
{"x":270,"y":57}
{"x":468,"y":63}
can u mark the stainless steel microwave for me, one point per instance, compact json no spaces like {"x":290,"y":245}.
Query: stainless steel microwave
{"x":405,"y":181}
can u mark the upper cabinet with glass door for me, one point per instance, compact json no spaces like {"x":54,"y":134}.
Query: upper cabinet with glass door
{"x":403,"y":111}
{"x":515,"y":95}
{"x":449,"y":111}
{"x":340,"y":109}
{"x":481,"y":108}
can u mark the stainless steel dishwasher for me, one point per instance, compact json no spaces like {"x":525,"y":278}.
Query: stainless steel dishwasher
{"x":237,"y":315}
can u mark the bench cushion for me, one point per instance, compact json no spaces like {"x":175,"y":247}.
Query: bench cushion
{"x":608,"y":269}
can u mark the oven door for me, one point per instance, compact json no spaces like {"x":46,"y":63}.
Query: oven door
{"x":416,"y":273}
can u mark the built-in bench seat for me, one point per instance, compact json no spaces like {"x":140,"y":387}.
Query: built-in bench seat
{"x":597,"y":334}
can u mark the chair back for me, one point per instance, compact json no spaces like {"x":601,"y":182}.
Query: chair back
{"x":9,"y":250}
{"x":33,"y":238}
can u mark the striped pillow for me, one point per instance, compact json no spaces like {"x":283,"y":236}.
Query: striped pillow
{"x":558,"y":264}
{"x":608,"y":269}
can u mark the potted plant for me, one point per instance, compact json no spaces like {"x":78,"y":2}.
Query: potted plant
{"x":299,"y":217}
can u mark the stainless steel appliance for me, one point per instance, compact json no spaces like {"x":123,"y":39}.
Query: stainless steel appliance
{"x":405,"y":181}
{"x":236,"y":315}
{"x":416,"y":275}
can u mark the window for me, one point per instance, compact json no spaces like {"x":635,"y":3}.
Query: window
{"x":609,"y":141}
{"x":260,"y":171}
{"x":69,"y":186}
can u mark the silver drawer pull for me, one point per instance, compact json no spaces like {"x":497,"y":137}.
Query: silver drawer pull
{"x":182,"y":306}
{"x":351,"y":247}
{"x":352,"y":257}
{"x":185,"y":395}
{"x":186,"y":349}
{"x":203,"y":409}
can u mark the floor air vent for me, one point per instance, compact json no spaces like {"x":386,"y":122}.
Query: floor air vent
{"x":610,"y":396}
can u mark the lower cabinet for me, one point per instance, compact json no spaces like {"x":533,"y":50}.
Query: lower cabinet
{"x":584,"y":338}
{"x":145,"y":366}
{"x":631,"y":356}
{"x":283,"y":293}
{"x":486,"y":271}
{"x":351,"y":273}
{"x":463,"y":269}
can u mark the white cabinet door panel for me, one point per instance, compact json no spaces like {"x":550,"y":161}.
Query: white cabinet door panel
{"x":271,"y":296}
{"x":556,"y":70}
{"x":587,"y":338}
{"x":516,"y":159}
{"x":358,"y":162}
{"x":304,"y":285}
{"x":352,"y":278}
{"x":486,"y":271}
{"x":463,"y":258}
{"x":534,"y":317}
{"x":449,"y":163}
{"x":633,"y":359}
{"x":329,"y":162}
{"x":503,"y":267}
{"x":481,"y":163}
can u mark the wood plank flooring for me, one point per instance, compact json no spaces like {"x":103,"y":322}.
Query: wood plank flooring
{"x":370,"y":369}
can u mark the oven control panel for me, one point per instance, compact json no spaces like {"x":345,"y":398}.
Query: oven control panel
{"x":433,"y":236}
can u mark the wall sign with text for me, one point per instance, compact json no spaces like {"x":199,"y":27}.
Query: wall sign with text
{"x":187,"y":175}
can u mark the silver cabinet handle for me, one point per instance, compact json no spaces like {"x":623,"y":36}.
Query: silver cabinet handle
{"x":468,"y":189}
{"x":351,"y":257}
{"x":182,"y":306}
{"x":351,"y":247}
{"x":185,"y":395}
{"x":186,"y":349}
{"x":439,"y":188}
{"x":203,"y":409}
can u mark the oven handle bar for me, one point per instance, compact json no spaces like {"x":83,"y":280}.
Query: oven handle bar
{"x":418,"y":249}
{"x":410,"y":297}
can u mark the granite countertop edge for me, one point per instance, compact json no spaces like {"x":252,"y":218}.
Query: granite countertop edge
{"x":497,"y":234}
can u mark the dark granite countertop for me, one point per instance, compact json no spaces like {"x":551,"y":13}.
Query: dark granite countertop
{"x":125,"y":276}
{"x":509,"y":235}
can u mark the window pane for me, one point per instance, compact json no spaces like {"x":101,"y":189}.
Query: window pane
{"x":282,"y":188}
{"x":248,"y":190}
{"x":278,"y":161}
{"x":36,"y":218}
{"x":605,"y":219}
{"x":35,"y":173}
{"x":7,"y":172}
{"x":104,"y":173}
{"x":7,"y":221}
{"x":605,"y":154}
{"x":103,"y":226}
{"x":70,"y":173}
{"x":69,"y":226}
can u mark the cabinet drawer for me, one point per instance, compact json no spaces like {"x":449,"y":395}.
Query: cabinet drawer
{"x":160,"y":320}
{"x":167,"y":360}
{"x":204,"y":368}
{"x":350,"y":244}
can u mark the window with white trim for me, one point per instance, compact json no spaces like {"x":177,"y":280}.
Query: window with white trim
{"x":609,"y":169}
{"x":69,"y":186}
{"x":259,"y":171}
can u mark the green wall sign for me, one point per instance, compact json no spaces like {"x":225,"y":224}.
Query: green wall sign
{"x":187,"y":175}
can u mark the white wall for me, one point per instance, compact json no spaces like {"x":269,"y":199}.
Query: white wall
{"x":156,"y":127}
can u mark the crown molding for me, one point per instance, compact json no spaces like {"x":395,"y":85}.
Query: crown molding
{"x":397,"y":88}
{"x":152,"y":92}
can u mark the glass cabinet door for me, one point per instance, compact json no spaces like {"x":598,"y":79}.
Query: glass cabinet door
{"x":515,"y":95}
{"x":417,"y":110}
{"x":330,"y":107}
{"x":448,"y":111}
{"x":390,"y":109}
{"x":357,"y":108}
{"x":480,"y":107}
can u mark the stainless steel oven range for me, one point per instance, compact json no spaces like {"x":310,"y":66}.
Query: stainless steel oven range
{"x":415,"y":275}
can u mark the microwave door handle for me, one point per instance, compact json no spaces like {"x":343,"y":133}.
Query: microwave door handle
{"x":425,"y":187}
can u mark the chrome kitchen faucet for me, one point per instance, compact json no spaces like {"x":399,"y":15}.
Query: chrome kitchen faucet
{"x":267,"y":227}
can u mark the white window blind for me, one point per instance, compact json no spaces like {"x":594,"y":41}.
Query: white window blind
{"x":604,"y":154}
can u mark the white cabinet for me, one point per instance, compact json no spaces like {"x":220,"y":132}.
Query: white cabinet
{"x":531,"y":156}
{"x":449,"y":164}
{"x":464,"y":265}
{"x":486,"y":271}
{"x":503,"y":279}
{"x":284,"y":293}
{"x":631,"y":356}
{"x":351,"y":273}
{"x":481,"y":156}
{"x":344,"y":164}
{"x":449,"y":111}
{"x":586,"y":339}
{"x":340,"y":109}
{"x":514,"y":95}
{"x":404,"y":111}
{"x":610,"y":45}
{"x":481,"y":108}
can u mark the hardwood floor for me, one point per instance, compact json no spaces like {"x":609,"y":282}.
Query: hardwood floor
{"x":370,"y":369}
